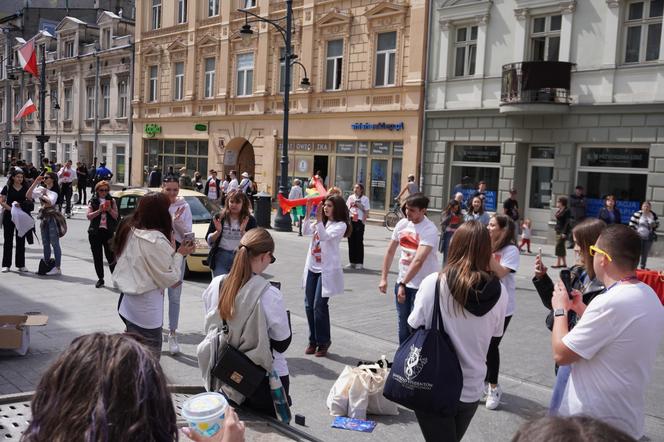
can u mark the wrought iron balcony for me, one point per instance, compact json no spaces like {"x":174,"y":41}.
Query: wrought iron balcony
{"x":535,"y":86}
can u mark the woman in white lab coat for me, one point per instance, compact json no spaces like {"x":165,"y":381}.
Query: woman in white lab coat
{"x":323,"y":276}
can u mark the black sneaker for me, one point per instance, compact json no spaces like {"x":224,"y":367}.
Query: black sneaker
{"x":99,"y":284}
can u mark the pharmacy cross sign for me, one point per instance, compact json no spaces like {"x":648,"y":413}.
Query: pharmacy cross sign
{"x":152,"y":129}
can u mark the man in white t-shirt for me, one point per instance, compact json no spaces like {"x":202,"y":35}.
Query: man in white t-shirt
{"x":233,"y":185}
{"x":613,"y":347}
{"x":418,"y":238}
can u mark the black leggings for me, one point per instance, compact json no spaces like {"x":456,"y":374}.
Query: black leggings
{"x":493,"y":356}
{"x":101,"y":242}
{"x":436,"y":428}
{"x":10,"y":232}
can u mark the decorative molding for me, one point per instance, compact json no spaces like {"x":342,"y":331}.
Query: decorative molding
{"x":521,"y":13}
{"x":568,"y":8}
{"x":453,"y":11}
{"x":565,"y":7}
{"x":334,"y":23}
{"x":613,"y":4}
{"x":385,"y":15}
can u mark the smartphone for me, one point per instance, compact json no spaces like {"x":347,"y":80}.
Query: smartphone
{"x":539,"y":253}
{"x":276,"y":284}
{"x":189,"y":237}
{"x":566,"y":278}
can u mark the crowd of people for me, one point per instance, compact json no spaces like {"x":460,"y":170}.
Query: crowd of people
{"x":603,"y":356}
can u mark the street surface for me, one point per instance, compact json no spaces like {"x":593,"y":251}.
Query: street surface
{"x":363,"y":327}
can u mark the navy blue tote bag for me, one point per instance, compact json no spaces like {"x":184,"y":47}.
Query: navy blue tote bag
{"x":426,"y":374}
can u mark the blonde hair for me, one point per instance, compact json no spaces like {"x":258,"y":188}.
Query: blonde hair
{"x":255,"y":242}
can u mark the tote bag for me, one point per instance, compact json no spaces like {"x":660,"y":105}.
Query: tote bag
{"x":426,"y":374}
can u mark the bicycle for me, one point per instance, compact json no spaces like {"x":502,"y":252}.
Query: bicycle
{"x":393,"y":216}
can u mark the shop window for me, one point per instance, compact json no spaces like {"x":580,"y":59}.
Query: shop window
{"x":361,"y":174}
{"x":643,"y":30}
{"x":545,"y":38}
{"x":378,"y":188}
{"x":345,"y":168}
{"x":472,"y":164}
{"x":396,"y":177}
{"x":386,"y":53}
{"x":465,"y":51}
{"x":120,"y":164}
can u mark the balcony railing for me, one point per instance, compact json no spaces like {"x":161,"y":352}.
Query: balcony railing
{"x":534,"y":82}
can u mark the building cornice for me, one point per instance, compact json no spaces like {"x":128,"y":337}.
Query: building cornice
{"x":452,"y":11}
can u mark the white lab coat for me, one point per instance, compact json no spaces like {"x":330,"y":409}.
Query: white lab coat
{"x":330,"y":239}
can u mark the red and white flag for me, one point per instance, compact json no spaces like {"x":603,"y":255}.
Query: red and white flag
{"x":27,"y":56}
{"x":28,"y":108}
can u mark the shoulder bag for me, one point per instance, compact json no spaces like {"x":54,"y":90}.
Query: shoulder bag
{"x":426,"y":374}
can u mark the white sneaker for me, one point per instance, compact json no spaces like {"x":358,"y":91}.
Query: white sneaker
{"x":349,"y":266}
{"x":485,"y":392}
{"x":493,"y":399}
{"x":359,"y":266}
{"x":23,"y":269}
{"x":5,"y":269}
{"x":54,"y":271}
{"x":173,"y":345}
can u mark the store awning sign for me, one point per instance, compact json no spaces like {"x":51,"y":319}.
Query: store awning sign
{"x":200,"y":127}
{"x":152,"y":129}
{"x":378,"y":126}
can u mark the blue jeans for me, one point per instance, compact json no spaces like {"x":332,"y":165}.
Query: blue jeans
{"x":223,"y":261}
{"x":318,"y":312}
{"x":174,"y":303}
{"x":403,"y":311}
{"x":51,"y":238}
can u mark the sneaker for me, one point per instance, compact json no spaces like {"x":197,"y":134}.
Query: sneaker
{"x":23,"y":269}
{"x":173,"y":345}
{"x":322,"y":350}
{"x":485,"y":392}
{"x":493,"y":399}
{"x":359,"y":267}
{"x":5,"y":269}
{"x":99,"y":284}
{"x":69,"y":215}
{"x":350,"y":266}
{"x":311,"y":349}
{"x":54,"y":271}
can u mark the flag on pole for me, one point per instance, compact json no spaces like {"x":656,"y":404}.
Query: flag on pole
{"x":27,"y":56}
{"x":28,"y":108}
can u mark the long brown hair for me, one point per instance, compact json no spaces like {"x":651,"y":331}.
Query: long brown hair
{"x":471,"y":209}
{"x":339,"y":212}
{"x":237,"y":196}
{"x":585,"y":235}
{"x":103,"y":388}
{"x":253,"y":243}
{"x":506,"y":236}
{"x":467,"y":261}
{"x":151,"y":214}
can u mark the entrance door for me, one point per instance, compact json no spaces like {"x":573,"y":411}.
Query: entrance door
{"x":378,"y":187}
{"x":540,"y":177}
{"x":320,"y":166}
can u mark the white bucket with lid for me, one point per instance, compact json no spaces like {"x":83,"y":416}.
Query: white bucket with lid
{"x":205,"y":413}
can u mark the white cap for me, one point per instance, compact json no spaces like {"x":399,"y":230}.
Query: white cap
{"x":245,"y":175}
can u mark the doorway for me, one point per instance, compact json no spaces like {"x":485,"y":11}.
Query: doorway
{"x":321,"y":164}
{"x":539,"y":185}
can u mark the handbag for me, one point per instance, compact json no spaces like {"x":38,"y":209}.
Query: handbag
{"x":235,"y":369}
{"x":212,"y":254}
{"x":426,"y":374}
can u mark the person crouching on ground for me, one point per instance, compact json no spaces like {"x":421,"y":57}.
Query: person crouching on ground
{"x":147,"y":263}
{"x":103,"y":216}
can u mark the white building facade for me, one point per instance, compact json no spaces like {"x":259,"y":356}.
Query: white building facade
{"x":543,"y":96}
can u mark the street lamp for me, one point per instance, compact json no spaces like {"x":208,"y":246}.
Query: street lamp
{"x":282,"y":221}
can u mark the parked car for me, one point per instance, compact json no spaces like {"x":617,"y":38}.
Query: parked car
{"x":202,"y":211}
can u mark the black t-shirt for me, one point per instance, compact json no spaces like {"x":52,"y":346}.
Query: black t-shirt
{"x":14,"y":195}
{"x":511,"y":208}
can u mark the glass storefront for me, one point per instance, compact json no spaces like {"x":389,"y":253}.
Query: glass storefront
{"x":541,"y":177}
{"x":192,"y":154}
{"x":472,"y":164}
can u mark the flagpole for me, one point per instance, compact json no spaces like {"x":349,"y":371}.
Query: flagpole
{"x":41,"y":138}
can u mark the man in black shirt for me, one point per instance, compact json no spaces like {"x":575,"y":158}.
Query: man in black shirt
{"x":511,"y":206}
{"x":577,"y":205}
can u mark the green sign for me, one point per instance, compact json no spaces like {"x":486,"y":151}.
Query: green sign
{"x":200,"y":127}
{"x":152,"y":129}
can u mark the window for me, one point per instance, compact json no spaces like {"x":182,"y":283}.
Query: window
{"x":67,"y":152}
{"x":249,"y":4}
{"x":31,"y":97}
{"x":69,"y":48}
{"x":213,"y":8}
{"x":472,"y":164}
{"x":105,"y":99}
{"x":53,"y":97}
{"x":17,"y":101}
{"x":386,"y":52}
{"x":2,"y":110}
{"x":643,"y":33}
{"x":178,"y":86}
{"x":156,"y":14}
{"x":154,"y":70}
{"x":106,"y":38}
{"x":209,"y":78}
{"x":545,"y":38}
{"x":282,"y":70}
{"x":90,"y":107}
{"x":122,"y":99}
{"x":120,"y":166}
{"x":465,"y":51}
{"x":68,"y":107}
{"x":182,"y":11}
{"x":334,"y":65}
{"x":28,"y":152}
{"x":245,"y":74}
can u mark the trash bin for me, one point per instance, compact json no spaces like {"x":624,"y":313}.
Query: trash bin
{"x":263,"y":209}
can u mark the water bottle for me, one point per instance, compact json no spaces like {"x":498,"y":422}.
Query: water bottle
{"x":279,"y":398}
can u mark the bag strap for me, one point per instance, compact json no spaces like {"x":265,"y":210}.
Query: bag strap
{"x":437,"y":319}
{"x":224,"y":324}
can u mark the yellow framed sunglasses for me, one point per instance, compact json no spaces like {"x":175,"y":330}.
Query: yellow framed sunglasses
{"x":595,"y":250}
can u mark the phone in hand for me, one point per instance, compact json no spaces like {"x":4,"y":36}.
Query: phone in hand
{"x":566,"y":278}
{"x":189,"y":238}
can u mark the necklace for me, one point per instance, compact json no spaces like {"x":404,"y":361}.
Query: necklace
{"x":625,"y":279}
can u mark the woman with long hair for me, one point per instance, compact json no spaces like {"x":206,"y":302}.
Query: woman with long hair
{"x":563,"y":227}
{"x":476,"y":211}
{"x":50,"y":218}
{"x":103,"y":216}
{"x":147,"y":263}
{"x":109,"y":387}
{"x":450,"y":221}
{"x":226,"y":230}
{"x":323,"y":276}
{"x":472,"y":305}
{"x":645,"y":222}
{"x":504,"y":265}
{"x":254,"y":312}
{"x":15,"y":191}
{"x":358,"y":205}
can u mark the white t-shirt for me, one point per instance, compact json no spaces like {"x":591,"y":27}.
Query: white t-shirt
{"x":233,"y":185}
{"x":231,"y":236}
{"x":525,"y":232}
{"x":410,"y":236}
{"x":316,"y":261}
{"x":145,"y":310}
{"x":470,"y":334}
{"x":617,"y":338}
{"x":509,"y":257}
{"x":356,"y":213}
{"x":212,"y":189}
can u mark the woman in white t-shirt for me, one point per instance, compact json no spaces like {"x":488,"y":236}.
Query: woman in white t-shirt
{"x":504,"y":264}
{"x":358,"y":205}
{"x":323,"y":276}
{"x":472,"y":306}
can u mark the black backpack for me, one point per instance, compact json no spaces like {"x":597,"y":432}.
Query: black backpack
{"x":45,"y":267}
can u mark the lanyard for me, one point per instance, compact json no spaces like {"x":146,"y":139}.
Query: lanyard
{"x":625,"y":279}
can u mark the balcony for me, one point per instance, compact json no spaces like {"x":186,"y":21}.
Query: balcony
{"x":536,"y":87}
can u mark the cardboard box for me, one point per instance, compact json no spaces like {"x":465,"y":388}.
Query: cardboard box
{"x":15,"y":331}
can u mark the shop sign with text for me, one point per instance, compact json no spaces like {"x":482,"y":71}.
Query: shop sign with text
{"x":152,"y":129}
{"x":378,"y":126}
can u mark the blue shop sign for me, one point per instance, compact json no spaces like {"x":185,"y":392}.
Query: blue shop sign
{"x":627,"y":208}
{"x":468,"y":192}
{"x":378,"y":126}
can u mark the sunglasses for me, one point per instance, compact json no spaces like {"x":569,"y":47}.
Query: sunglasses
{"x":595,"y":250}
{"x":272,"y":258}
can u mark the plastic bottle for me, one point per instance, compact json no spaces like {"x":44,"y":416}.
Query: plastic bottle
{"x":279,"y":398}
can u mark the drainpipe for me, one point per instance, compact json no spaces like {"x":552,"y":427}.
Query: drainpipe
{"x":130,"y":127}
{"x":424,"y":101}
{"x":96,"y":109}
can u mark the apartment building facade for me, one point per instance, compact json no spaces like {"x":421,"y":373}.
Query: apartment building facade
{"x":205,"y":98}
{"x":545,"y":95}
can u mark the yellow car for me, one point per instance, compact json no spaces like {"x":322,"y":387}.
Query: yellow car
{"x":202,"y":211}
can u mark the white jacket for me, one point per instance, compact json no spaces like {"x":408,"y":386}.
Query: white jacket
{"x":147,"y":262}
{"x":183,"y":224}
{"x":330,"y":239}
